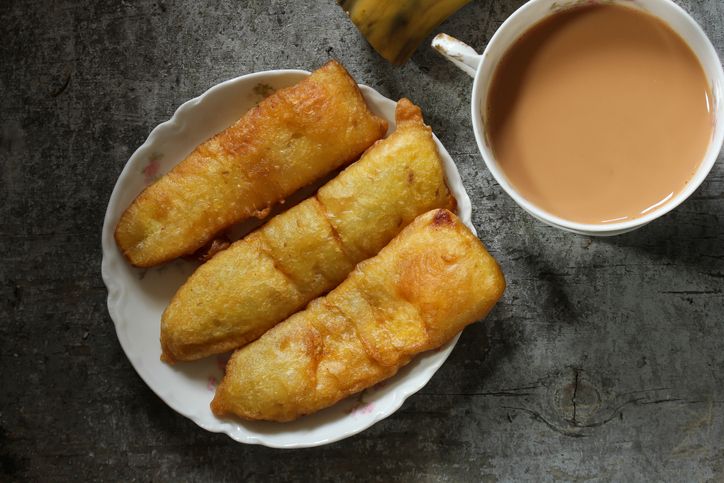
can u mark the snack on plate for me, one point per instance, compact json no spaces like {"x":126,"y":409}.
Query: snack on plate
{"x":306,"y":251}
{"x":430,"y":282}
{"x":289,"y":140}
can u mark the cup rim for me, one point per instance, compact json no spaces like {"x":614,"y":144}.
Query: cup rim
{"x":614,"y":228}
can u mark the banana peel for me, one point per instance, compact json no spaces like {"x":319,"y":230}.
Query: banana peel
{"x":395,"y":28}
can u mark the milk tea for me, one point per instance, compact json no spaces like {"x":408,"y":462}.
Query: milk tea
{"x":599,"y":114}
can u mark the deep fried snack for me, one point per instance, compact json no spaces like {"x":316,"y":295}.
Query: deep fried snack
{"x":430,"y":282}
{"x":292,"y":138}
{"x":309,"y":249}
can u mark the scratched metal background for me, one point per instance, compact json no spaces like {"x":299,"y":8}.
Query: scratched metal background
{"x":603,"y":362}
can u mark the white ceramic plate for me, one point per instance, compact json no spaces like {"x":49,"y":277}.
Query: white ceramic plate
{"x":138,"y":297}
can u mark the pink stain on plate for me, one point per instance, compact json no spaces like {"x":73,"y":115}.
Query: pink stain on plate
{"x":150,"y":171}
{"x":213,"y":382}
{"x":363,"y":408}
{"x":367,"y":409}
{"x":360,"y":406}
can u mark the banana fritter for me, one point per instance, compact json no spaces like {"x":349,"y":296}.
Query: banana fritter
{"x":289,"y":140}
{"x":430,"y":282}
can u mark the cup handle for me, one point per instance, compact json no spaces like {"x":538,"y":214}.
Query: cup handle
{"x":461,"y":54}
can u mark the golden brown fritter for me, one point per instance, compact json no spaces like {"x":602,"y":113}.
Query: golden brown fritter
{"x":309,"y":249}
{"x":430,"y":282}
{"x":292,"y":138}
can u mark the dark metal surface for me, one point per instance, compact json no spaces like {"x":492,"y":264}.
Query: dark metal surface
{"x":604,"y":360}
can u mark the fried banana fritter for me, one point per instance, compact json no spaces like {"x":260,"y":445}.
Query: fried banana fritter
{"x":430,"y":282}
{"x":289,"y":140}
{"x":309,"y":249}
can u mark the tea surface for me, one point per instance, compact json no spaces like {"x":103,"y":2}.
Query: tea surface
{"x":599,"y":114}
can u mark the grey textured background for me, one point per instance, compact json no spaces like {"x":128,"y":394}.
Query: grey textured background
{"x":603,"y":362}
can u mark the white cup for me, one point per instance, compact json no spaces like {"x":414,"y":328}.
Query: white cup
{"x":482,"y":67}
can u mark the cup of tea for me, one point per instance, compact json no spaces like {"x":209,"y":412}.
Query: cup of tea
{"x":596,"y":117}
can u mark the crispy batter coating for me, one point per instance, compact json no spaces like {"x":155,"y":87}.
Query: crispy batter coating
{"x":309,"y":249}
{"x":430,"y":282}
{"x":292,"y":138}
